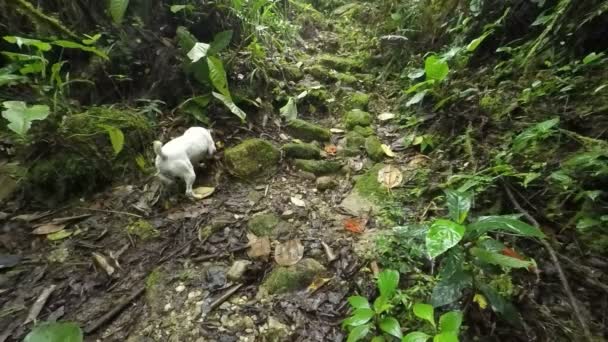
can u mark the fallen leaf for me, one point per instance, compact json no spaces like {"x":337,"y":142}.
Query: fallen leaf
{"x":298,"y":202}
{"x":48,"y":228}
{"x":259,"y":247}
{"x":375,"y":269}
{"x":354,"y":225}
{"x":390,"y":176}
{"x":30,"y":217}
{"x":192,"y":211}
{"x":288,"y":253}
{"x":317,"y":283}
{"x":336,"y":130}
{"x":417,"y":161}
{"x":62,"y":234}
{"x":387,"y":150}
{"x":480,"y":300}
{"x":331,"y":149}
{"x":204,"y":191}
{"x":101,"y":261}
{"x":386,"y":116}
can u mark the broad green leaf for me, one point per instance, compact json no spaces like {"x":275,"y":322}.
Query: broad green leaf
{"x":436,"y":68}
{"x":592,"y":57}
{"x":391,"y":326}
{"x":218,"y":75}
{"x":425,"y":311}
{"x":73,"y":45}
{"x":382,"y":304}
{"x":359,"y":317}
{"x":358,"y":302}
{"x":387,"y":282}
{"x":198,"y":51}
{"x":499,"y":259}
{"x":118,"y":9}
{"x":450,"y":322}
{"x":378,"y":339}
{"x":20,"y":116}
{"x":501,"y":305}
{"x":446,"y":337}
{"x":474,"y":44}
{"x":220,"y":42}
{"x":449,"y":290}
{"x":416,"y":336}
{"x":10,"y":79}
{"x":33,"y":68}
{"x":20,"y":41}
{"x":231,"y":105}
{"x":177,"y":8}
{"x":535,"y":133}
{"x":358,"y":333}
{"x":290,"y":110}
{"x":60,"y":235}
{"x":443,"y":235}
{"x":55,"y":332}
{"x":117,"y":138}
{"x":91,"y":39}
{"x":504,"y":224}
{"x":416,"y":98}
{"x":459,"y":204}
{"x":419,"y":86}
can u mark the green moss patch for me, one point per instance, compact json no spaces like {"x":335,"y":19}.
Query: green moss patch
{"x":307,"y":131}
{"x":252,"y":158}
{"x":373,"y":147}
{"x":292,"y":278}
{"x":302,"y":151}
{"x":317,"y":167}
{"x":357,"y":117}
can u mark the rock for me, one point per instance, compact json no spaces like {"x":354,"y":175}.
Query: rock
{"x":357,"y":205}
{"x":357,"y":117}
{"x":302,"y":151}
{"x":358,"y":100}
{"x":307,"y":131}
{"x":252,"y":158}
{"x":274,"y":331}
{"x":354,"y":140}
{"x":340,"y":63}
{"x":238,"y":268}
{"x":364,"y":131}
{"x":326,"y":182}
{"x":317,"y":167}
{"x":345,"y":78}
{"x":263,"y":224}
{"x":292,"y":278}
{"x":287,"y":214}
{"x":367,"y":185}
{"x":373,"y":146}
{"x":222,"y":221}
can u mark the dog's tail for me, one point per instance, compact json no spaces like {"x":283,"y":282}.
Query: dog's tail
{"x":158,"y":149}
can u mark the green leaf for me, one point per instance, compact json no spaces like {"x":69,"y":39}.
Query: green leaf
{"x":416,"y":98}
{"x":425,"y":311}
{"x":198,"y":51}
{"x":177,"y":8}
{"x":416,"y":336}
{"x":73,"y":45}
{"x":118,"y":9}
{"x":450,"y":322}
{"x":358,"y":302}
{"x":474,"y":44}
{"x":20,"y":41}
{"x":443,"y":235}
{"x":449,"y":290}
{"x":459,"y":204}
{"x":504,"y":224}
{"x":117,"y":138}
{"x":533,"y":134}
{"x":55,"y":332}
{"x":11,"y":79}
{"x":218,"y":75}
{"x":20,"y":116}
{"x":60,"y":235}
{"x":91,"y":39}
{"x":499,"y":259}
{"x":501,"y":306}
{"x":231,"y":105}
{"x":436,"y":68}
{"x":391,"y":326}
{"x":382,"y":304}
{"x":220,"y":42}
{"x":419,"y":86}
{"x":387,"y":282}
{"x":446,"y":337}
{"x":289,"y":111}
{"x":592,"y":57}
{"x":358,"y":333}
{"x":359,"y":317}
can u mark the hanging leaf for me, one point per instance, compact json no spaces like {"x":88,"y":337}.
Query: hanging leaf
{"x":436,"y":68}
{"x":290,"y":110}
{"x":592,"y":57}
{"x":449,"y":290}
{"x":20,"y":41}
{"x":504,"y":224}
{"x":501,"y":306}
{"x":443,"y":235}
{"x":289,"y":253}
{"x":73,"y":45}
{"x":390,"y":176}
{"x":198,"y":51}
{"x":474,"y":44}
{"x":498,"y":259}
{"x":459,"y":204}
{"x":416,"y":98}
{"x":117,"y":138}
{"x":20,"y":116}
{"x":425,"y":311}
{"x":118,"y":9}
{"x":387,"y":282}
{"x":55,"y":332}
{"x":231,"y":105}
{"x":220,"y":42}
{"x":177,"y":8}
{"x":390,"y":326}
{"x":217,"y":74}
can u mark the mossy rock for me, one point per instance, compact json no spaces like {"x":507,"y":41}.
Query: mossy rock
{"x":263,"y":224}
{"x":364,"y":131}
{"x":340,"y":63}
{"x":252,"y":158}
{"x":319,"y":72}
{"x":317,"y":167}
{"x":353,"y":143}
{"x":357,"y":117}
{"x":368,"y":187}
{"x":358,"y":100}
{"x":302,"y":151}
{"x":293,"y":278}
{"x":373,"y":147}
{"x":293,"y":73}
{"x":345,"y":78}
{"x":142,"y":229}
{"x":307,"y":131}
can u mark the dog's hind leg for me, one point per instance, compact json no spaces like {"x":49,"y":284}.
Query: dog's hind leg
{"x":189,"y":178}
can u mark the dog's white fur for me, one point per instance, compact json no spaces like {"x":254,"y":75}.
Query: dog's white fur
{"x":176,"y":159}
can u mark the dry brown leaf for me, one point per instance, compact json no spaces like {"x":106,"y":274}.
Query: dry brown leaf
{"x":259,"y":247}
{"x":48,"y":228}
{"x":331,"y":149}
{"x":417,"y":161}
{"x":288,"y":253}
{"x":192,"y":211}
{"x":390,"y":176}
{"x":203,"y":192}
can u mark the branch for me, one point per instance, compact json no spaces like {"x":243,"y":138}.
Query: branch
{"x":39,"y":17}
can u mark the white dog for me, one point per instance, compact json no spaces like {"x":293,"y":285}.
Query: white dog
{"x":176,"y":159}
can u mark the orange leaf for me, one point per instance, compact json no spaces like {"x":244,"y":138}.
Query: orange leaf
{"x":331,"y":149}
{"x":353,"y":225}
{"x":512,"y":253}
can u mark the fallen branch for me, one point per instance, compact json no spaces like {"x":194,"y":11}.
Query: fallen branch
{"x":39,"y":304}
{"x":221,"y":299}
{"x":560,"y":272}
{"x":91,"y":327}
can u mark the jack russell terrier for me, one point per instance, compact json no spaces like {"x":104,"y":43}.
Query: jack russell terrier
{"x":176,"y":159}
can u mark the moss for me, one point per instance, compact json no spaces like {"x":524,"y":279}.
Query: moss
{"x":317,"y":167}
{"x":358,"y":100}
{"x":367,"y":185}
{"x":319,"y":72}
{"x":154,"y":289}
{"x":357,"y":117}
{"x":292,"y":278}
{"x":364,"y":131}
{"x":142,"y":229}
{"x":373,"y":146}
{"x":252,"y":158}
{"x":345,"y":78}
{"x":490,"y":104}
{"x":293,"y":73}
{"x":353,"y":142}
{"x":307,"y":131}
{"x":263,"y":224}
{"x":340,"y":63}
{"x":302,"y":151}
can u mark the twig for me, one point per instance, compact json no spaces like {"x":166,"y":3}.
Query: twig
{"x":110,"y":314}
{"x":221,"y":299}
{"x":111,"y":212}
{"x":560,"y":272}
{"x":39,"y":304}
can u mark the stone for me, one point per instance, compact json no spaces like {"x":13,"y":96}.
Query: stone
{"x":291,"y":278}
{"x":302,"y":151}
{"x":364,"y":131}
{"x":340,"y":63}
{"x":325,"y":183}
{"x":357,"y":117}
{"x":252,"y":158}
{"x":356,"y":205}
{"x":317,"y":167}
{"x":287,"y":214}
{"x":307,"y":131}
{"x":367,"y":186}
{"x":373,"y":147}
{"x":238,"y":268}
{"x":275,"y":331}
{"x":263,"y":224}
{"x":358,"y":100}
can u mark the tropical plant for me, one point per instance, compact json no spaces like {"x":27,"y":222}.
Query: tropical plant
{"x":449,"y":325}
